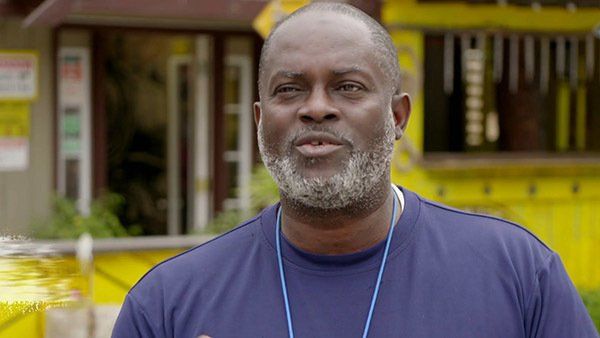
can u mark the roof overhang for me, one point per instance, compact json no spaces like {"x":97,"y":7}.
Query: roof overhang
{"x":55,"y":12}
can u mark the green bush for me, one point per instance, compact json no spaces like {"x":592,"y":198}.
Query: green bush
{"x":224,"y":221}
{"x":263,"y":189}
{"x":591,"y":299}
{"x":67,"y":222}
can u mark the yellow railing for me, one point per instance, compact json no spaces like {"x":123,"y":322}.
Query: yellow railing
{"x":118,"y":265}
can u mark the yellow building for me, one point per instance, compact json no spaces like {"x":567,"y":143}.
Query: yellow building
{"x":506,"y":116}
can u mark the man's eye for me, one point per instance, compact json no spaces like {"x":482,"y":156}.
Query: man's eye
{"x":349,"y":87}
{"x":286,"y":89}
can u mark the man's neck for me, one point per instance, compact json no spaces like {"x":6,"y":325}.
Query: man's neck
{"x":341,"y":231}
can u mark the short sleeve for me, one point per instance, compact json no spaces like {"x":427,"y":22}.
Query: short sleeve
{"x":132,"y":321}
{"x":555,"y":308}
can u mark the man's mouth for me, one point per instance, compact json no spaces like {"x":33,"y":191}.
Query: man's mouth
{"x":317,"y":144}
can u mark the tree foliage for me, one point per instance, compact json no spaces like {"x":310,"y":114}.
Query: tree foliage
{"x":66,"y":221}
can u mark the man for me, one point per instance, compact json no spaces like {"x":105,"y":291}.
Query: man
{"x":345,"y":254}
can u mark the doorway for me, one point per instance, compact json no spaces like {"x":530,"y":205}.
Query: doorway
{"x":156,"y":104}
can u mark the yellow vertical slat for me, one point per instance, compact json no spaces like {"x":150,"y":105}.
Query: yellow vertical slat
{"x":594,"y":221}
{"x":581,"y":118}
{"x":562,"y":116}
{"x":587,"y":244}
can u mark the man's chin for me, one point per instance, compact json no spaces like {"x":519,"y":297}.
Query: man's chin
{"x":317,"y":174}
{"x":319,"y":169}
{"x":316,"y":203}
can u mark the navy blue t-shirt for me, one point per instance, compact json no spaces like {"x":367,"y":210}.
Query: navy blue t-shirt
{"x":449,"y":274}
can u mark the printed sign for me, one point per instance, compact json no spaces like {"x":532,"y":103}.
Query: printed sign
{"x":18,"y":75}
{"x":73,"y":98}
{"x":14,"y":136}
{"x":71,"y":145}
{"x":72,"y":83}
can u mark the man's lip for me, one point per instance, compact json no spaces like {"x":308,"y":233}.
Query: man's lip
{"x":318,"y":139}
{"x":310,"y":150}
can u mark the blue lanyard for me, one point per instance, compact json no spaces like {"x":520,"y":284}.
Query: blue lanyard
{"x":288,"y":313}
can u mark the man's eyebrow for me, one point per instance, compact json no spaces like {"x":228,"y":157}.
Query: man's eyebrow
{"x":352,"y":69}
{"x":289,"y":74}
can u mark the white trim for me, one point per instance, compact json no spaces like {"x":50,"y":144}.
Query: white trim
{"x":202,"y":196}
{"x":60,"y":163}
{"x":85,"y":187}
{"x":245,"y":137}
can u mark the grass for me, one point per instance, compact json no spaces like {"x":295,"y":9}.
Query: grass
{"x":591,"y":299}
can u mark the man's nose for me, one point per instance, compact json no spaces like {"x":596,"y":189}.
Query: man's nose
{"x":318,"y":108}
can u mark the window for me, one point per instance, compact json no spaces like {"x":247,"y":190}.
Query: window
{"x":238,"y":153}
{"x":492,"y":93}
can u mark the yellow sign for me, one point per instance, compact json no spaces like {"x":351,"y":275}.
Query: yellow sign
{"x":14,"y":119}
{"x":274,"y":11}
{"x":14,"y":136}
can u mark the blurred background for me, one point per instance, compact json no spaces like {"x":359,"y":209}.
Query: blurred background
{"x":132,"y":121}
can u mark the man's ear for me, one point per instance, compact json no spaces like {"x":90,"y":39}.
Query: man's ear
{"x":401,"y":111}
{"x":257,"y":111}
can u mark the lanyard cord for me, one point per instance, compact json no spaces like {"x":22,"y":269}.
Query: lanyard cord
{"x":286,"y":301}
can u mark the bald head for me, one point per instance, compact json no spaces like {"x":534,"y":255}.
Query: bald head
{"x":383,"y":48}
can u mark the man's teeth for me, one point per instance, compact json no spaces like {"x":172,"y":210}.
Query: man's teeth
{"x":318,"y":143}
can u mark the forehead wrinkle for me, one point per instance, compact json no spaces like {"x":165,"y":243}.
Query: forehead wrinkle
{"x":345,"y":70}
{"x":336,"y":72}
{"x":348,"y":70}
{"x":340,"y":61}
{"x":289,"y":74}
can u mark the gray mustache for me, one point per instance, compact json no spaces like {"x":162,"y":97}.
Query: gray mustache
{"x":326,"y":130}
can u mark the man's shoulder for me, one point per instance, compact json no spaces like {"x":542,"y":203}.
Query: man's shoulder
{"x":200,"y":262}
{"x":483,"y":230}
{"x":210,"y":252}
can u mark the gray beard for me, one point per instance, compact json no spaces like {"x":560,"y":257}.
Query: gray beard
{"x":357,"y":185}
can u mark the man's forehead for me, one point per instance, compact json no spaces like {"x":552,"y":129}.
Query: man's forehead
{"x":320,"y":27}
{"x":322,"y":41}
